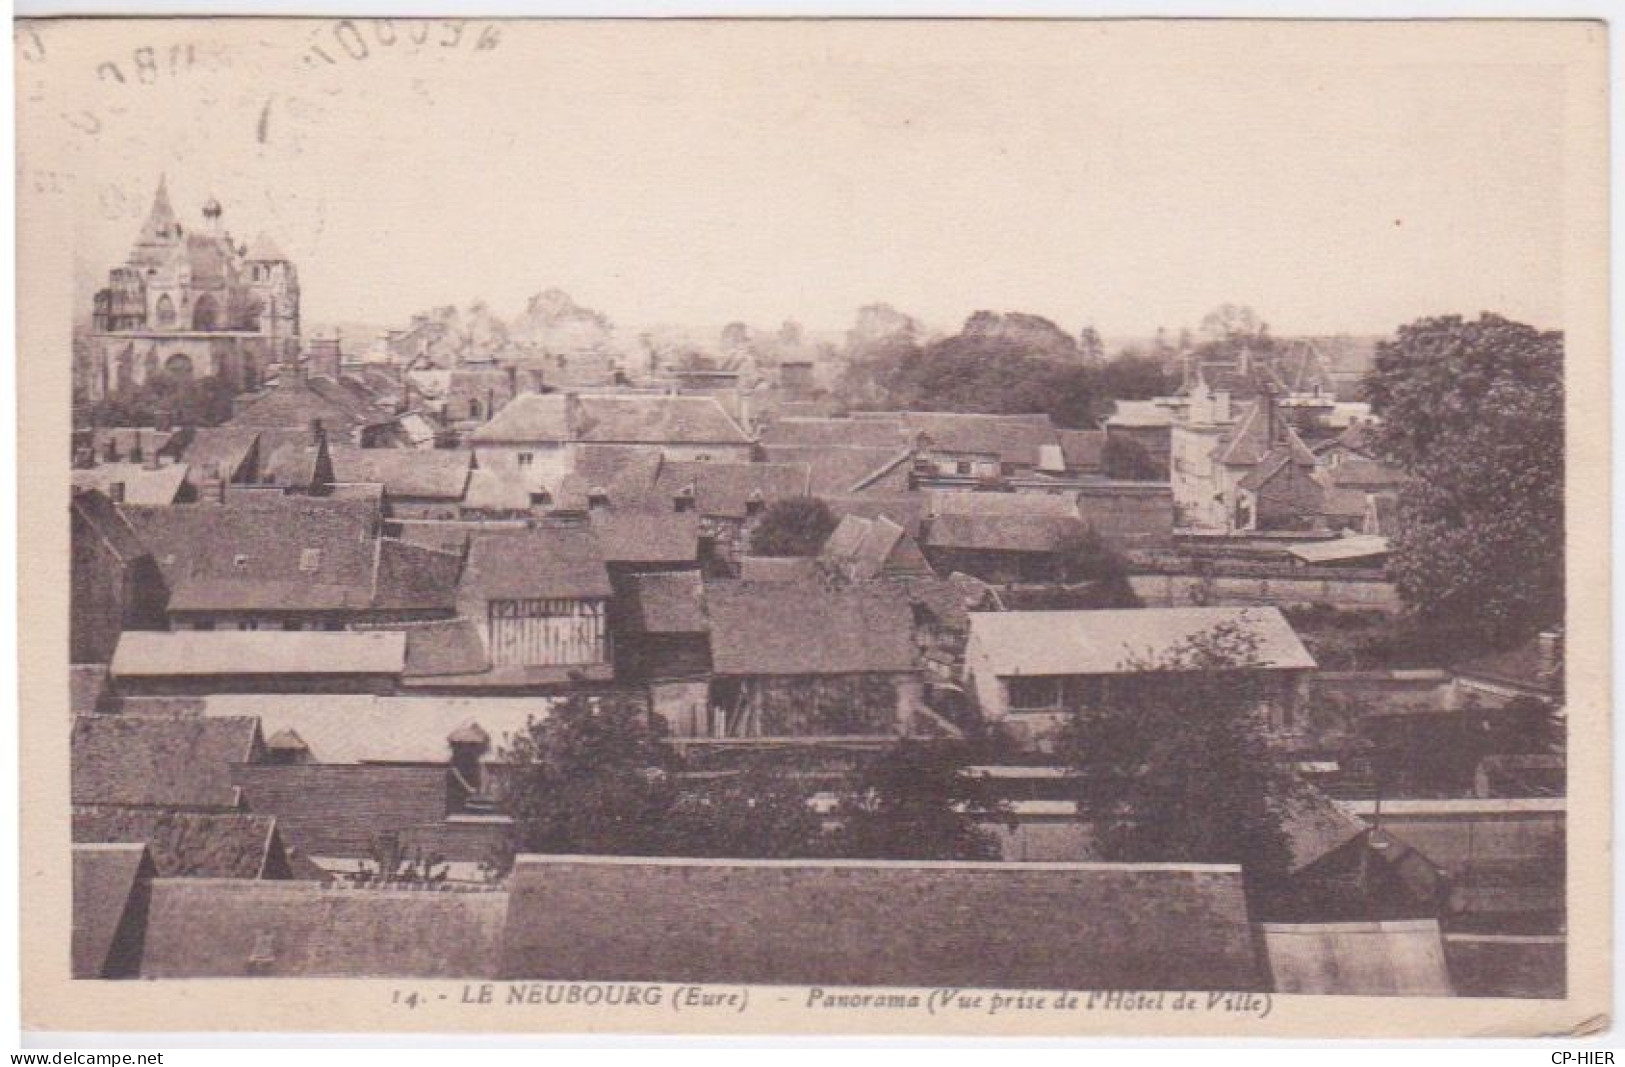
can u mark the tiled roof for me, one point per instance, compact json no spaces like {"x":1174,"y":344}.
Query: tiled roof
{"x":1316,"y":825}
{"x":805,"y":628}
{"x":1006,"y":505}
{"x":179,"y":653}
{"x":491,"y":490}
{"x":1404,"y":958}
{"x":293,"y":404}
{"x":225,"y":928}
{"x":105,"y":920}
{"x":881,"y":433}
{"x":179,"y":761}
{"x":142,"y":484}
{"x":665,"y":603}
{"x":1112,"y":641}
{"x":868,"y":548}
{"x":1137,"y":516}
{"x":1341,"y":549}
{"x":187,"y":844}
{"x":1367,"y":474}
{"x":778,"y":568}
{"x":646,"y":537}
{"x":612,"y":419}
{"x":219,"y":452}
{"x":908,"y":510}
{"x":344,"y":728}
{"x":1345,"y":503}
{"x":291,"y":458}
{"x":916,"y":924}
{"x":1001,"y":533}
{"x":1082,"y":448}
{"x":417,"y":473}
{"x":291,"y":540}
{"x":723,"y":490}
{"x":444,"y":647}
{"x":541,"y":563}
{"x":414,"y":578}
{"x":105,"y":520}
{"x":87,"y":684}
{"x":1012,"y":438}
{"x":843,"y":470}
{"x":1522,"y":665}
{"x":339,"y":809}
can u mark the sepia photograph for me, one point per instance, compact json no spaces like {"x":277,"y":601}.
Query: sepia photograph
{"x":978,"y":527}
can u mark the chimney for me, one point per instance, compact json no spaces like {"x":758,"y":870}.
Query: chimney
{"x":572,"y":414}
{"x":137,"y":453}
{"x":684,"y":499}
{"x":468,"y":745}
{"x":152,"y":460}
{"x":597,"y":498}
{"x":110,"y":450}
{"x":513,"y":382}
{"x":754,"y":503}
{"x":1272,"y":418}
{"x":165,"y":420}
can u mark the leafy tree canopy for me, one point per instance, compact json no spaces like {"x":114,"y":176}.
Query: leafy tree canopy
{"x":1474,"y":412}
{"x":797,"y":526}
{"x":914,"y":802}
{"x":186,"y":400}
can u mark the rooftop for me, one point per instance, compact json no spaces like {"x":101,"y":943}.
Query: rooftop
{"x":795,"y":628}
{"x":564,"y":562}
{"x":158,"y":653}
{"x":175,"y":761}
{"x":1115,"y":641}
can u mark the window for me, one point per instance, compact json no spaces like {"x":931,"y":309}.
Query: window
{"x":1034,"y":694}
{"x":332,"y":626}
{"x":203,"y":624}
{"x":292,"y":624}
{"x":248,"y":624}
{"x":963,"y":466}
{"x":240,"y":560}
{"x":526,"y":458}
{"x":1084,"y":691}
{"x":310,"y":560}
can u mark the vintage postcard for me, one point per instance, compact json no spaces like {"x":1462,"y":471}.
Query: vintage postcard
{"x":921,"y":527}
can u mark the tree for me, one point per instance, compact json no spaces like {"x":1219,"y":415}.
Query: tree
{"x":1085,"y":556}
{"x":1473,"y":411}
{"x":1229,"y":322}
{"x":1127,"y":460}
{"x":878,"y":330}
{"x":1175,"y":765}
{"x":756,"y":812}
{"x":188,"y":401}
{"x":1135,"y":377}
{"x":914,"y":802}
{"x":1090,"y":346}
{"x":798,"y":526}
{"x":591,"y":777}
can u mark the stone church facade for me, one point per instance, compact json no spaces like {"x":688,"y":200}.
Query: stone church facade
{"x":191,"y":301}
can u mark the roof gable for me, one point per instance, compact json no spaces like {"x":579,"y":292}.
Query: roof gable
{"x":106,"y":935}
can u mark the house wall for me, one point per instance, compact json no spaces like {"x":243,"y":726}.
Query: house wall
{"x":550,"y":462}
{"x":546,"y":633}
{"x":1183,"y":590}
{"x":818,"y":705}
{"x":205,"y":684}
{"x":102,"y":591}
{"x":1195,"y":477}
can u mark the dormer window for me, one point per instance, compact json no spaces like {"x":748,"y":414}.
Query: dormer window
{"x":240,"y":560}
{"x":310,"y":560}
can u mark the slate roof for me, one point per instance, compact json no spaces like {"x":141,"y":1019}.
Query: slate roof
{"x":354,"y":728}
{"x":175,"y":761}
{"x":106,"y":923}
{"x":292,"y":404}
{"x":908,"y":510}
{"x":1403,"y":958}
{"x":885,"y":434}
{"x":225,"y":928}
{"x":142,"y":484}
{"x":646,"y":537}
{"x":182,"y":653}
{"x":338,"y":809}
{"x":1248,"y":442}
{"x":1013,"y":439}
{"x":406,"y":473}
{"x":832,"y":923}
{"x":188,"y":844}
{"x":783,"y":628}
{"x":671,"y":603}
{"x":1109,"y":641}
{"x":563,"y":562}
{"x":612,"y":419}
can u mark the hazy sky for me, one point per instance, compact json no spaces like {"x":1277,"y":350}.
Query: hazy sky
{"x":1126,"y":175}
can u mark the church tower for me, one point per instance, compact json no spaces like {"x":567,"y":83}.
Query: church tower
{"x":274,"y":285}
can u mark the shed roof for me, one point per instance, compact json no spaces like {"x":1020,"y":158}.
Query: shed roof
{"x":176,"y":761}
{"x":1395,"y":959}
{"x":885,"y":434}
{"x":1340,"y":549}
{"x":647,"y":536}
{"x":1110,"y":642}
{"x":223,"y":928}
{"x":792,"y":628}
{"x":671,"y":603}
{"x":180,"y":653}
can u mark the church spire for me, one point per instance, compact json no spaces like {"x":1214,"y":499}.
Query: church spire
{"x":161,"y":224}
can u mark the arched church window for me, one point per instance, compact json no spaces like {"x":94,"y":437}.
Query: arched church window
{"x":166,"y":311}
{"x":179,"y":365}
